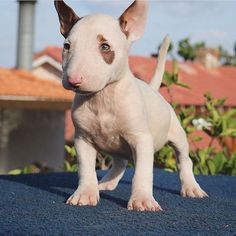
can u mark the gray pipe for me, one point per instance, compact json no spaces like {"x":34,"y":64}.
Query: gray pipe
{"x":25,"y":34}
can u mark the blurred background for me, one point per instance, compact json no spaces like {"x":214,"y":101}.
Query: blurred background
{"x":36,"y":131}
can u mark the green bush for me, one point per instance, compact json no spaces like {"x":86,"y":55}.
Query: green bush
{"x":216,"y":121}
{"x":103,"y":161}
{"x":70,"y":163}
{"x":33,"y":168}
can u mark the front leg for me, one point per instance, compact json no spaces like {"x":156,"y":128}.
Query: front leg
{"x":142,"y":190}
{"x":87,"y":192}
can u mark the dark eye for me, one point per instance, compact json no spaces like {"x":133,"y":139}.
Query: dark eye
{"x":66,"y":46}
{"x":105,"y":47}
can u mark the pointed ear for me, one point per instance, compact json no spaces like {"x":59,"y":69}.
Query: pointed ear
{"x":67,"y":17}
{"x":132,"y":21}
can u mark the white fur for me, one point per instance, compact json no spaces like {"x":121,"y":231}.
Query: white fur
{"x":124,"y":117}
{"x":160,"y":68}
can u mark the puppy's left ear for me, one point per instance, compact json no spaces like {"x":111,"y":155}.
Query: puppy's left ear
{"x":132,"y":21}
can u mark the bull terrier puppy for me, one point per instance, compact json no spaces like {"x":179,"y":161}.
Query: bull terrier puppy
{"x":115,"y":112}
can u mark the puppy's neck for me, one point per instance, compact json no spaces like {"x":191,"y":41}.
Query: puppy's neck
{"x":119,"y":80}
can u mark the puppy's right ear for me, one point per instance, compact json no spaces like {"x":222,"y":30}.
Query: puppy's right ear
{"x":67,"y":17}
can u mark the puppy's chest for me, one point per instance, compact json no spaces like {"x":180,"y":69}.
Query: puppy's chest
{"x":100,"y":127}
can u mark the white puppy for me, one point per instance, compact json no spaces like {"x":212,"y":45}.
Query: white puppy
{"x":115,"y":112}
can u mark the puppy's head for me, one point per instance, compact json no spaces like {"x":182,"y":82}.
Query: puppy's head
{"x":96,"y":47}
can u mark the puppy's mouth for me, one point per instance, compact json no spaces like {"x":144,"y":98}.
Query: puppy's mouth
{"x":80,"y":92}
{"x":76,"y":88}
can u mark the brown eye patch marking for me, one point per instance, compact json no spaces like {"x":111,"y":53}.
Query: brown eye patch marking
{"x":104,"y":48}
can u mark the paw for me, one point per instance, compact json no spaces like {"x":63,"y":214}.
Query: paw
{"x":142,"y":202}
{"x":193,"y":191}
{"x":107,"y":185}
{"x":84,"y":197}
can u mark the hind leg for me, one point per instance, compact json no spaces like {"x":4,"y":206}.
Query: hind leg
{"x":111,"y":180}
{"x":178,"y":140}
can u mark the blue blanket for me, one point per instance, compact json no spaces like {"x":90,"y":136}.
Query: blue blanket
{"x":35,"y":205}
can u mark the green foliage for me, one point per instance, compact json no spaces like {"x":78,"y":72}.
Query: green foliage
{"x":70,"y":162}
{"x":222,"y":122}
{"x":33,"y":168}
{"x":208,"y":161}
{"x":226,"y":57}
{"x":165,"y":159}
{"x":186,"y":50}
{"x":186,"y":116}
{"x":172,"y":78}
{"x":235,"y":49}
{"x":216,"y":121}
{"x":219,"y":123}
{"x":15,"y":172}
{"x":103,"y":161}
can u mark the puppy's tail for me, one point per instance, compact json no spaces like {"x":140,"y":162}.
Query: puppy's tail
{"x":160,"y":67}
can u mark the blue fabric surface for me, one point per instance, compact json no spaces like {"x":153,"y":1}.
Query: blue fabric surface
{"x":34,"y":205}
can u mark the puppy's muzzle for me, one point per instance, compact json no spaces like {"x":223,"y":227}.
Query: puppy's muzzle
{"x":75,"y":85}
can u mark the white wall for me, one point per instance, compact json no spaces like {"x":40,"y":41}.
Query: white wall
{"x":31,"y":136}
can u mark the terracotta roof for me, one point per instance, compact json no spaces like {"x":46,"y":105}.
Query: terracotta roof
{"x":220,"y":82}
{"x":51,"y":51}
{"x":19,"y":85}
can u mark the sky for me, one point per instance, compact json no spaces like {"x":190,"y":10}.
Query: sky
{"x":212,"y":21}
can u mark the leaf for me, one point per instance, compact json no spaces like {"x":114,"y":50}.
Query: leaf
{"x":70,"y":150}
{"x":211,"y":166}
{"x":204,"y":170}
{"x":229,"y":132}
{"x":187,"y":120}
{"x":230,"y":113}
{"x":197,"y":138}
{"x":168,"y":169}
{"x":175,"y":67}
{"x":219,"y":161}
{"x":15,"y":172}
{"x":74,"y":168}
{"x":168,"y":79}
{"x":67,"y":165}
{"x":202,"y":156}
{"x":183,"y":85}
{"x":196,"y":170}
{"x":171,"y":163}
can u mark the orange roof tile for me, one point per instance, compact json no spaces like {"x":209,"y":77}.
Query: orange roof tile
{"x":220,"y":82}
{"x":23,"y":84}
{"x":51,"y":51}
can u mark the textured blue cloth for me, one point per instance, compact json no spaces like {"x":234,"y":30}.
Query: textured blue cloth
{"x":35,"y":205}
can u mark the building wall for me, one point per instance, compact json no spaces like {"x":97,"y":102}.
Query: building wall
{"x":28,"y":136}
{"x":48,"y":72}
